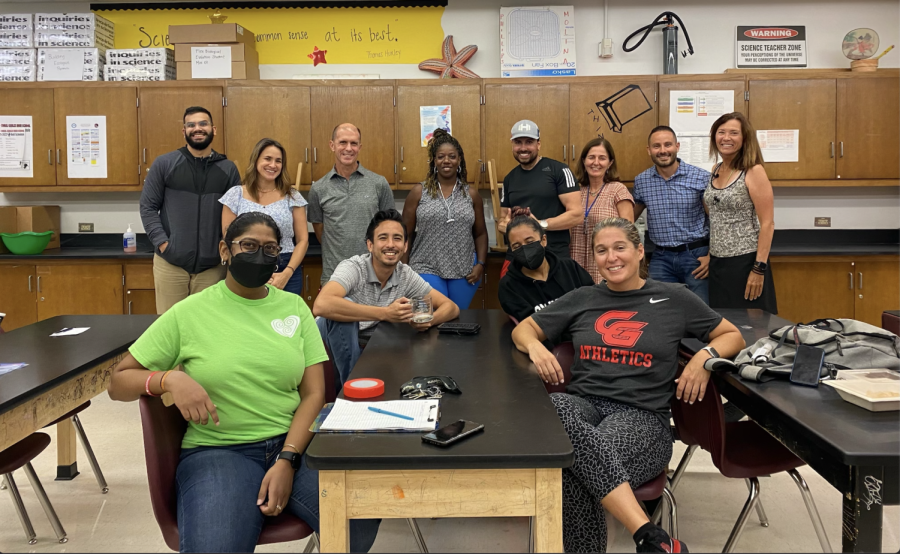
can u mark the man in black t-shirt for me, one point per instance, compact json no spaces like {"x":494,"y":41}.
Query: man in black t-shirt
{"x":545,"y":187}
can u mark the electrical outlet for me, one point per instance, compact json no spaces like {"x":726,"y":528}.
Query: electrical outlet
{"x":85,"y":227}
{"x":823,"y":222}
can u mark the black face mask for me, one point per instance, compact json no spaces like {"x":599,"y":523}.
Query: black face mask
{"x":529,"y":256}
{"x":252,"y":270}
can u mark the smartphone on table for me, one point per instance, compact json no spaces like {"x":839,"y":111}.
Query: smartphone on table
{"x":452,"y":433}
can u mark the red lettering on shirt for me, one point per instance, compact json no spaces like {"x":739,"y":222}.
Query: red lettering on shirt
{"x":619,"y":333}
{"x":604,"y":357}
{"x":615,"y":355}
{"x":596,"y":352}
{"x":647,"y":359}
{"x":637,"y":358}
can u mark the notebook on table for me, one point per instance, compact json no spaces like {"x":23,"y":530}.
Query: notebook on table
{"x":355,"y":417}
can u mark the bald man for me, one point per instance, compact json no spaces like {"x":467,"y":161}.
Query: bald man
{"x":343,"y":202}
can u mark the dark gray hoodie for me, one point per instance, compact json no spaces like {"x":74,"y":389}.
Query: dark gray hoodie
{"x":180,"y":205}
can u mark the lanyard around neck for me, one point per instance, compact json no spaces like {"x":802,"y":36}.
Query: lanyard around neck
{"x":587,"y":210}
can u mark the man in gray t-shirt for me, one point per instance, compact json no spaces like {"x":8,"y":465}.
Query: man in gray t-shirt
{"x":364,"y":290}
{"x":343,"y":202}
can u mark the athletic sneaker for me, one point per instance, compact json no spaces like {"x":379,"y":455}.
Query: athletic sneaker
{"x":652,"y":538}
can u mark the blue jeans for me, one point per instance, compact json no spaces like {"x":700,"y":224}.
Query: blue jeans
{"x":676,"y":267}
{"x":295,"y":283}
{"x":217,"y":488}
{"x":342,"y":338}
{"x":457,"y":290}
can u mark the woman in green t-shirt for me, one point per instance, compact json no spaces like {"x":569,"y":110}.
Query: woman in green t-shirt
{"x":251,"y":387}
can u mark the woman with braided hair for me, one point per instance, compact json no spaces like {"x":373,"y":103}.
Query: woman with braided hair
{"x":448,"y":238}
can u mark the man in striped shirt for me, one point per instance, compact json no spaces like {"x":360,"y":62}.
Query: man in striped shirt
{"x":542,"y":188}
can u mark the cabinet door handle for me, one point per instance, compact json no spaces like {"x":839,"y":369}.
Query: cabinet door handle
{"x":573,"y":152}
{"x":29,"y":283}
{"x":57,"y":156}
{"x":564,"y":152}
{"x":305,"y":156}
{"x":50,"y":156}
{"x":39,"y":283}
{"x":860,"y":280}
{"x":832,"y":149}
{"x":842,"y":149}
{"x":307,"y":284}
{"x":145,"y":156}
{"x":315,"y":155}
{"x":401,"y":153}
{"x":129,"y":307}
{"x":851,"y":280}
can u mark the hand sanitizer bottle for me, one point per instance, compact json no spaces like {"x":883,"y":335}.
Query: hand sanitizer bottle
{"x":129,"y":240}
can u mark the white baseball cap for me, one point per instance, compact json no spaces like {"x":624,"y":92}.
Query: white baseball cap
{"x":526,"y":128}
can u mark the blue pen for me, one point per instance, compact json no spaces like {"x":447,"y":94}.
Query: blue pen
{"x":385,"y":412}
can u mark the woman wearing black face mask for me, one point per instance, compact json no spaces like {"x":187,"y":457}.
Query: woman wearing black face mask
{"x":251,"y":387}
{"x":536,"y":277}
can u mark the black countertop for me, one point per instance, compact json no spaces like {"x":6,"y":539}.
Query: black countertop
{"x":787,"y":242}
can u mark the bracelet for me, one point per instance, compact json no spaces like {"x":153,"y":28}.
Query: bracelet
{"x":162,"y":382}
{"x":291,"y":268}
{"x":758,"y":271}
{"x":147,"y":384}
{"x":297,"y":450}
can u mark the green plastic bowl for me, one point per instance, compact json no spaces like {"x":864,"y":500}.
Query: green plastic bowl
{"x":27,"y":242}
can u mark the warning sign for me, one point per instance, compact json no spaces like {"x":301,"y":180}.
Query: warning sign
{"x":782,"y":46}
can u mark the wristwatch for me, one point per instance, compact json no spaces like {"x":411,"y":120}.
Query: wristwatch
{"x":760,"y":266}
{"x":479,"y":262}
{"x":544,"y":223}
{"x":712,"y":351}
{"x":292,"y":457}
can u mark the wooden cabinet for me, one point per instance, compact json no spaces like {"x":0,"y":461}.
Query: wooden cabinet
{"x":464,"y":99}
{"x":816,"y":287}
{"x":312,"y":276}
{"x":505,"y":103}
{"x":79,"y":289}
{"x":247,"y":123}
{"x":140,"y":302}
{"x":867,"y":140}
{"x":161,"y":111}
{"x":119,"y":105}
{"x":877,"y":289}
{"x":37,"y":103}
{"x":491,"y":283}
{"x":367,"y":104}
{"x":804,"y":104}
{"x":623,"y":111}
{"x":17,"y":296}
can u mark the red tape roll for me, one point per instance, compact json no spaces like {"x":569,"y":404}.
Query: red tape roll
{"x":363,"y":388}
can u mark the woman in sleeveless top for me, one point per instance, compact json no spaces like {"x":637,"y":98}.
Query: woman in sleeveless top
{"x":602,"y":196}
{"x":448,"y":239}
{"x":266,"y":188}
{"x":741,"y":210}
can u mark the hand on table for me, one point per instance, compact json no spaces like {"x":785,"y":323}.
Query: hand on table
{"x":400,"y":311}
{"x":547,"y":365}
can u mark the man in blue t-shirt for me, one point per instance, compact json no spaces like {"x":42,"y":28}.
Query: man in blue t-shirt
{"x":672,"y":194}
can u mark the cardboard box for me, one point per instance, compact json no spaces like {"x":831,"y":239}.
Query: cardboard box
{"x":210,"y":33}
{"x":248,"y":69}
{"x":69,"y":64}
{"x":15,"y":219}
{"x":238,"y":51}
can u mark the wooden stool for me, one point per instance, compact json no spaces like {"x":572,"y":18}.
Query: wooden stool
{"x":18,"y":456}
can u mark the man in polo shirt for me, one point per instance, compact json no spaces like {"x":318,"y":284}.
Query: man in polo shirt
{"x":672,"y":194}
{"x":542,"y":188}
{"x":342,"y":203}
{"x":374,"y":287}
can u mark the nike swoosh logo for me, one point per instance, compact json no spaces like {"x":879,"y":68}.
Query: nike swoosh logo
{"x":652,"y":301}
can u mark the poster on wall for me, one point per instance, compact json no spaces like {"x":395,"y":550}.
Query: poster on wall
{"x":780,"y":145}
{"x":16,"y":146}
{"x":432,"y":118}
{"x":86,"y":146}
{"x":537,"y":41}
{"x":691,"y":115}
{"x":762,"y":46}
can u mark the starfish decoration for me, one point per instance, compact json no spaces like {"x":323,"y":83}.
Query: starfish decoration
{"x":452,"y":64}
{"x":317,"y":56}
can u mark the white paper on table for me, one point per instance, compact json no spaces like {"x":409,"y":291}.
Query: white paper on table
{"x":356,"y":416}
{"x":86,"y":147}
{"x":69,"y":331}
{"x":780,"y":145}
{"x":210,"y":62}
{"x":694,"y":111}
{"x":695,"y":150}
{"x":432,"y":118}
{"x":16,"y":146}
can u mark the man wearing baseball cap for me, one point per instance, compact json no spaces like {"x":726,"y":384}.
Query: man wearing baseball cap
{"x":540,"y":187}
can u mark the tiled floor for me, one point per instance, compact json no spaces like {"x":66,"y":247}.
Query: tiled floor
{"x":122,"y":521}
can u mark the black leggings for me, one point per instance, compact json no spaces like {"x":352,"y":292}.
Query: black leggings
{"x":614,"y":444}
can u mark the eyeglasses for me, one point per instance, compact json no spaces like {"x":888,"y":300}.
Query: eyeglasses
{"x":251,"y":247}
{"x":202,"y":125}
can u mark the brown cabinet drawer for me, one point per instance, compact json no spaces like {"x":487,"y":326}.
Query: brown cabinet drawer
{"x":139,"y":302}
{"x":139,"y":276}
